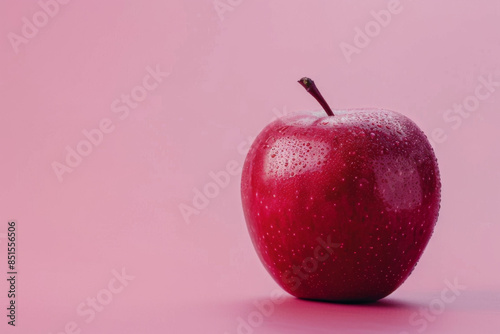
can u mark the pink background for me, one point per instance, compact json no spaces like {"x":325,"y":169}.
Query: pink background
{"x":228,"y":78}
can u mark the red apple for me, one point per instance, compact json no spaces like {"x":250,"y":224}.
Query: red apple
{"x":340,"y":206}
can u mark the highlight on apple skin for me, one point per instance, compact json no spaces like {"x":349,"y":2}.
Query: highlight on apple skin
{"x":340,"y":204}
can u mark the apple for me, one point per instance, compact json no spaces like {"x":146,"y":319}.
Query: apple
{"x":340,"y":206}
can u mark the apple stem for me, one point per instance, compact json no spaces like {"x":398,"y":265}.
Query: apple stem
{"x":310,"y":86}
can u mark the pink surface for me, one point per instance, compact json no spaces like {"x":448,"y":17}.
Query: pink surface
{"x":177,"y":90}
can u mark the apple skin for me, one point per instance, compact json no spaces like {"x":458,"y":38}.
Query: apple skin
{"x":340,"y":208}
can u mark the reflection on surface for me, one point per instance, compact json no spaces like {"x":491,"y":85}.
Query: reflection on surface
{"x":472,"y":311}
{"x":303,"y":316}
